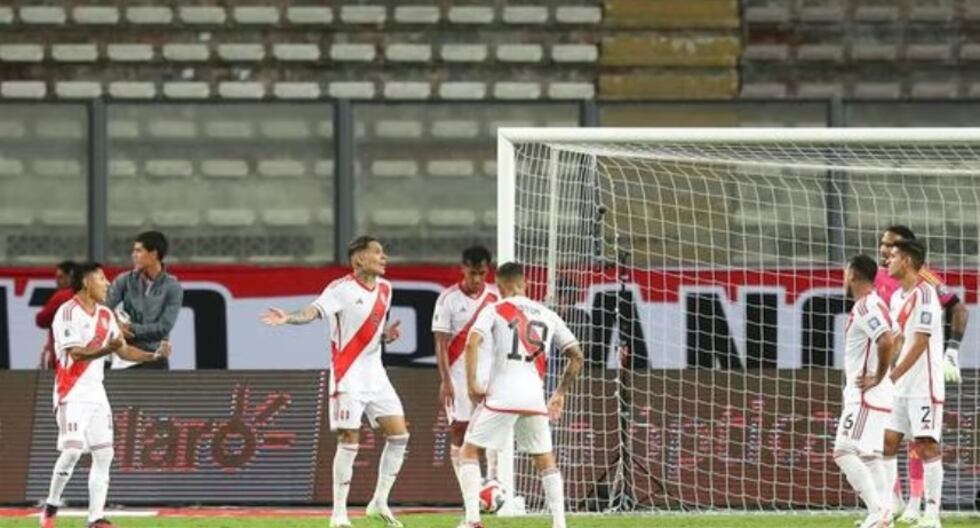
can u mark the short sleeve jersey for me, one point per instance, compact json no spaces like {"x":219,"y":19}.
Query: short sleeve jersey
{"x":522,"y":333}
{"x":357,"y":317}
{"x":81,"y":380}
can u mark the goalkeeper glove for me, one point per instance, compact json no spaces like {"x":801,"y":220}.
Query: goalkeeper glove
{"x":951,"y":365}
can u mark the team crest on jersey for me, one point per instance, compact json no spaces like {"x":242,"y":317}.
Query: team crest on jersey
{"x":874,"y":323}
{"x":926,"y":318}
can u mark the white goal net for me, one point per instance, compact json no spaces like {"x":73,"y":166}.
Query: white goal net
{"x":702,"y":269}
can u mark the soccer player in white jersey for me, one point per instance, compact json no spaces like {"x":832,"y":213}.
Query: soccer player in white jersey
{"x":455,"y":312}
{"x":868,"y":392}
{"x":357,"y":307}
{"x":85,"y":334}
{"x":918,"y":376}
{"x":521,"y":333}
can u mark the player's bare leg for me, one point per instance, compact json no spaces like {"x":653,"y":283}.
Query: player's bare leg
{"x":554,"y":490}
{"x":893,"y":440}
{"x":469,"y":483}
{"x":932,"y":470}
{"x":343,"y":470}
{"x":396,"y":441}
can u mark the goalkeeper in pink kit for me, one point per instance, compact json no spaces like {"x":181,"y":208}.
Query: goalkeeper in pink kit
{"x":886,"y":287}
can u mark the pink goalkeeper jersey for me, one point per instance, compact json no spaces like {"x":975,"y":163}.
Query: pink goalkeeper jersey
{"x":886,"y":285}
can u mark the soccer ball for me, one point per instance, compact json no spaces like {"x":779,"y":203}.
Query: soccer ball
{"x":492,"y":496}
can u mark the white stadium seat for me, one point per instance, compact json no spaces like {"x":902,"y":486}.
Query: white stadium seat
{"x":398,"y":129}
{"x":96,"y":15}
{"x":231,"y":217}
{"x":417,"y":14}
{"x":362,"y":14}
{"x":450,"y":168}
{"x":463,"y":52}
{"x":451,"y":218}
{"x":394,"y":168}
{"x":282,"y":168}
{"x":470,"y":15}
{"x":525,"y":14}
{"x":225,"y":168}
{"x":77,"y":89}
{"x":407,"y":90}
{"x":309,"y":15}
{"x":156,"y":15}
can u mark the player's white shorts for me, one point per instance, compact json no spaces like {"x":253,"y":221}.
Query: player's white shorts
{"x":85,"y":426}
{"x":347,"y":408}
{"x":491,"y":430}
{"x":861,"y":429}
{"x":462,"y":409}
{"x":917,"y":418}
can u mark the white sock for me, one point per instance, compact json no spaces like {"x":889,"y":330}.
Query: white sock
{"x":388,"y":467}
{"x":469,"y":483}
{"x":861,"y":480}
{"x":343,"y":470}
{"x":932,"y":476}
{"x":891,"y":473}
{"x":914,"y":504}
{"x":454,"y":458}
{"x":554,"y":493}
{"x":63,"y":469}
{"x":98,"y":483}
{"x":492,"y":464}
{"x":877,"y":469}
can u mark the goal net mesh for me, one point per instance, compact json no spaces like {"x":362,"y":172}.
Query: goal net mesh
{"x":705,"y":283}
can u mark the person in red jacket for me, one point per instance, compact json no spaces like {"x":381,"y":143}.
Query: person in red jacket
{"x":44,"y":319}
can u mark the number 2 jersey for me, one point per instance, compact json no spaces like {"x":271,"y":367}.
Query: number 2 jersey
{"x":869,"y":319}
{"x":522,"y":333}
{"x":80,"y":381}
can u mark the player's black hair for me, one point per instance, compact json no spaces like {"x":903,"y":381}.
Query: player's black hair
{"x":153,"y":241}
{"x":863,"y":267}
{"x":359,"y":244}
{"x":510,"y":271}
{"x":476,"y":255}
{"x":914,"y":249}
{"x":81,"y":271}
{"x":67,"y":267}
{"x":901,"y":230}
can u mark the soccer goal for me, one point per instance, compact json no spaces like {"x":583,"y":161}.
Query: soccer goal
{"x":702,"y":270}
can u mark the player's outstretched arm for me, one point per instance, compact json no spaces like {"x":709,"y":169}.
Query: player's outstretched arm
{"x":572,"y":369}
{"x":83,"y":353}
{"x":919,"y":344}
{"x":131,"y":353}
{"x":278,"y":317}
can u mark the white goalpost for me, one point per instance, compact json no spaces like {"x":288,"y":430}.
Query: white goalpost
{"x":701,"y":268}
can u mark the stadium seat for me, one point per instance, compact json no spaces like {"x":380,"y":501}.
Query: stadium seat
{"x":451,"y":218}
{"x":172,"y":128}
{"x":296,"y":52}
{"x":12,"y":129}
{"x":77,"y":89}
{"x":768,"y":14}
{"x":58,"y":168}
{"x":285,"y":129}
{"x":23,"y":89}
{"x":970,"y":52}
{"x":96,"y":15}
{"x":186,"y":90}
{"x":766,"y":52}
{"x":6,"y":15}
{"x":463,"y":52}
{"x":396,"y":218}
{"x":241,"y":52}
{"x":578,"y":15}
{"x":122,"y":168}
{"x":296,"y":90}
{"x":241,"y":90}
{"x":398,"y":129}
{"x":934,"y":89}
{"x":324,"y":129}
{"x":60,"y":129}
{"x":489,"y":217}
{"x":124,"y":219}
{"x":407,"y":90}
{"x":520,"y":53}
{"x":394,"y":168}
{"x":931,"y":13}
{"x":225,"y":168}
{"x":462,"y":90}
{"x":202,"y":15}
{"x":149,"y":15}
{"x":417,"y":14}
{"x":62,"y":218}
{"x":820,"y":52}
{"x":585,"y":53}
{"x":324,"y":216}
{"x":309,"y":15}
{"x":282,"y":168}
{"x":230,"y":217}
{"x":229,"y":129}
{"x":877,"y":90}
{"x":11,"y":168}
{"x":186,"y":52}
{"x":929,"y":52}
{"x":571,"y":90}
{"x":176,"y":218}
{"x":971,"y":12}
{"x":129,"y":52}
{"x":824,"y":14}
{"x":132,"y":90}
{"x":470,"y":15}
{"x":255,"y":15}
{"x":324,"y":168}
{"x":450,"y":168}
{"x":353,"y":52}
{"x":169,"y":168}
{"x":490,"y":168}
{"x":21,"y":53}
{"x":10,"y":217}
{"x":363,"y":14}
{"x":881,"y":14}
{"x":39,"y":14}
{"x":871,"y":51}
{"x":352,"y":90}
{"x":518,"y":14}
{"x":819,"y":90}
{"x":764,"y":90}
{"x":408,"y":52}
{"x":287,"y":217}
{"x":516,"y":90}
{"x":450,"y":129}
{"x":74,"y":52}
{"x":123,"y":129}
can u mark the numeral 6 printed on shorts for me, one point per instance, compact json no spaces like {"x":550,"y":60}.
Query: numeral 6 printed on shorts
{"x":848,"y":421}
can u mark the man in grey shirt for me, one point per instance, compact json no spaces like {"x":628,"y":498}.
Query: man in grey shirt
{"x":149,"y":297}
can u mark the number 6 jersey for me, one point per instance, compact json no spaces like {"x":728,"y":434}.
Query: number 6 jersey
{"x":521,"y":333}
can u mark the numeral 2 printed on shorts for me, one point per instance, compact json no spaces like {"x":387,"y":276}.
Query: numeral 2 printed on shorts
{"x":926,"y":416}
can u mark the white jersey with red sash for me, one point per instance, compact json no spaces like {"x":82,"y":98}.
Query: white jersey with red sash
{"x":357,"y":317}
{"x":80,"y":381}
{"x":454,"y":314}
{"x":918,"y":311}
{"x":521,"y":333}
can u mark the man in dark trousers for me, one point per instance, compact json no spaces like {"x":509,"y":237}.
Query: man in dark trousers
{"x":146,"y":299}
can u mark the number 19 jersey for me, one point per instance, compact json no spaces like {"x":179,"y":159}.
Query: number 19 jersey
{"x":521,"y":334}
